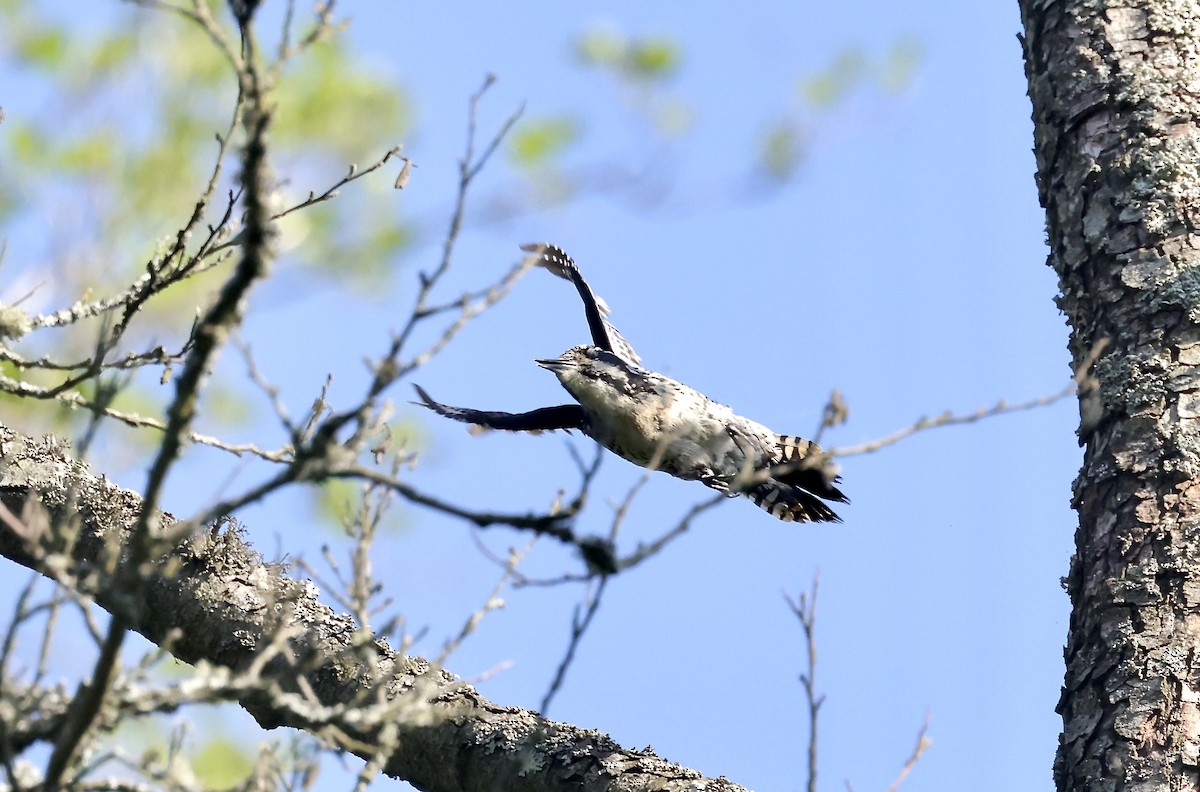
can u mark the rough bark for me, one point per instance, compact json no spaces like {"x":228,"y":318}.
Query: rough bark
{"x":214,"y":600}
{"x":1116,"y":103}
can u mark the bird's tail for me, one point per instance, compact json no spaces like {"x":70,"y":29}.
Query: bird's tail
{"x":801,"y":475}
{"x":802,"y":463}
{"x":790,"y":503}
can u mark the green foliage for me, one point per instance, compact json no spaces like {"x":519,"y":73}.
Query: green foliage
{"x":44,"y":48}
{"x":138,"y":176}
{"x":782,"y":146}
{"x":330,"y":100}
{"x":826,"y":88}
{"x":653,"y":58}
{"x":673,"y":117}
{"x":227,"y":405}
{"x":642,"y":66}
{"x":643,"y":59}
{"x":337,"y":499}
{"x":535,"y":142}
{"x":121,"y":140}
{"x":111,"y":53}
{"x":221,"y":763}
{"x":852,"y":68}
{"x":128,"y":185}
{"x":358,"y":255}
{"x":782,"y":150}
{"x":900,"y":65}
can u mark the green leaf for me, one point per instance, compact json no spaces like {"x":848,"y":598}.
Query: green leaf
{"x":674,"y":117}
{"x":825,"y":89}
{"x":44,"y":48}
{"x":111,"y":53}
{"x":337,"y":500}
{"x":781,"y":151}
{"x":534,"y":142}
{"x":90,"y":154}
{"x":332,"y":98}
{"x":653,"y":59}
{"x":222,"y":763}
{"x":601,"y":47}
{"x":901,"y":64}
{"x":641,"y":59}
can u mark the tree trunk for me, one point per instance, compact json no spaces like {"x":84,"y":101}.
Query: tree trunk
{"x":1116,"y":103}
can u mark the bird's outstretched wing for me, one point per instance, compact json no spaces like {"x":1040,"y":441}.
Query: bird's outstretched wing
{"x":564,"y":416}
{"x":555,"y":260}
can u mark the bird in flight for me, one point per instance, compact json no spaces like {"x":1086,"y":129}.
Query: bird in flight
{"x":659,"y":423}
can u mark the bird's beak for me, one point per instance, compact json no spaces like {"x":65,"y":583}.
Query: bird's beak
{"x":553,"y":364}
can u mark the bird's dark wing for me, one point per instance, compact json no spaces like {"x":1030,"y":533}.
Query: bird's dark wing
{"x":564,"y":416}
{"x":555,"y":260}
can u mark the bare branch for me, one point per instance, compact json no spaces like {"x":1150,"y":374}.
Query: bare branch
{"x":836,"y":413}
{"x":950,"y":419}
{"x":805,"y":608}
{"x":200,"y":15}
{"x":580,"y":621}
{"x":645,"y":551}
{"x":549,"y":524}
{"x":923,"y":742}
{"x":321,"y":30}
{"x":467,"y":169}
{"x":85,"y":707}
{"x":226,"y":312}
{"x":492,"y":603}
{"x":352,"y":174}
{"x":314,"y":670}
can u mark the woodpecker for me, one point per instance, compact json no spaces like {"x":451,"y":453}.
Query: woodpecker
{"x":659,"y":423}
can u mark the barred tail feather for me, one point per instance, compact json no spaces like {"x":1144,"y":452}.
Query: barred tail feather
{"x":790,"y":503}
{"x":791,"y":455}
{"x":789,"y":448}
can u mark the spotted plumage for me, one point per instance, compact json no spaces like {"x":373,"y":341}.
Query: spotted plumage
{"x":657,"y":422}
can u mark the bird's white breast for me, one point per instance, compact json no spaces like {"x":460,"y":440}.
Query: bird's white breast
{"x":667,"y":425}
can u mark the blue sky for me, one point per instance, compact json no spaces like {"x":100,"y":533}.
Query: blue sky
{"x":905,"y":266}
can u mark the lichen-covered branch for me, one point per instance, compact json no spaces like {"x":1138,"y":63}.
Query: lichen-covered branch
{"x":214,"y":600}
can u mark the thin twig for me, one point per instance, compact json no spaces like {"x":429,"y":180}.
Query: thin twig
{"x":85,"y":707}
{"x":643,"y":551}
{"x":836,"y":413}
{"x":466,"y":170}
{"x":270,"y":390}
{"x":579,"y":626}
{"x":805,"y":608}
{"x":200,"y":15}
{"x":923,"y":743}
{"x":950,"y":419}
{"x":550,"y":524}
{"x":353,"y":173}
{"x":389,"y":368}
{"x":321,"y":30}
{"x":493,"y":602}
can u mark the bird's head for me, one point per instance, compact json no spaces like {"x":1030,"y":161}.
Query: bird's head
{"x":588,"y":369}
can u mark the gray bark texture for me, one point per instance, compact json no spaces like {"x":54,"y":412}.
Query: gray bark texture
{"x":291,"y":660}
{"x":1115,"y":88}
